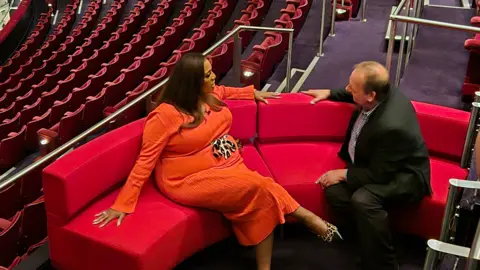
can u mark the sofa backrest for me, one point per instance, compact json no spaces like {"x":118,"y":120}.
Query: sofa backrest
{"x":74,"y":181}
{"x":244,"y":121}
{"x":444,"y":129}
{"x":293,"y":118}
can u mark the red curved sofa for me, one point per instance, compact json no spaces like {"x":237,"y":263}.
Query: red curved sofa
{"x":295,"y":142}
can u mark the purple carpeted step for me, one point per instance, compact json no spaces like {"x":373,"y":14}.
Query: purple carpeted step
{"x":436,"y":69}
{"x":450,"y":3}
{"x":355,"y":41}
{"x":306,"y":44}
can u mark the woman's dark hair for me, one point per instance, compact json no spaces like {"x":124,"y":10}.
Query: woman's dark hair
{"x":184,"y":89}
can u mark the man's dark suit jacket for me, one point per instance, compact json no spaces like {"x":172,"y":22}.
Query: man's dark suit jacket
{"x":391,"y":158}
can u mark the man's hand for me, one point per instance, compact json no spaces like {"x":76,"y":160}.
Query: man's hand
{"x":332,"y":177}
{"x":318,"y":95}
{"x":262,"y":96}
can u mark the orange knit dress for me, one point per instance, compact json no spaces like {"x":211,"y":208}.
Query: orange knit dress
{"x":187,"y":171}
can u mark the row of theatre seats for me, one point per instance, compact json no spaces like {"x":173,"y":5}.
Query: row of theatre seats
{"x":221,"y":58}
{"x":34,"y":41}
{"x":9,"y":151}
{"x":61,"y":98}
{"x":289,"y":139}
{"x":18,"y":69}
{"x":261,"y":63}
{"x":471,"y":82}
{"x":23,"y":233}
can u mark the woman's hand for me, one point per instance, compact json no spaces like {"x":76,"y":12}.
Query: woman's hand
{"x":262,"y":96}
{"x":107,"y":216}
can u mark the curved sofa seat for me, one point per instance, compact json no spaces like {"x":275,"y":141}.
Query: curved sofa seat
{"x":288,"y":139}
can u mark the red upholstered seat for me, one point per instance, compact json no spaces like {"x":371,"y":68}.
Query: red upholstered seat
{"x":159,"y":235}
{"x":297,"y":165}
{"x":426,"y":219}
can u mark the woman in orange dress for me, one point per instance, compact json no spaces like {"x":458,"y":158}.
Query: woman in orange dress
{"x":196,"y":163}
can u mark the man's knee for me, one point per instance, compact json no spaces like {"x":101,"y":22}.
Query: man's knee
{"x":336,"y":194}
{"x":364,"y":201}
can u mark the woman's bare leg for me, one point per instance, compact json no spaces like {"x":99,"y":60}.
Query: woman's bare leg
{"x":264,"y":253}
{"x":312,"y":221}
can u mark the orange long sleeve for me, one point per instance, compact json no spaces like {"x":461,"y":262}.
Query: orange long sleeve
{"x":224,"y":92}
{"x":160,"y":125}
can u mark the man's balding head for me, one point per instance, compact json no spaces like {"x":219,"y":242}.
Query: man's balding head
{"x":375,"y":79}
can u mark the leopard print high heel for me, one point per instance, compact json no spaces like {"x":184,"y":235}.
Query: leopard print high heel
{"x":332,"y":234}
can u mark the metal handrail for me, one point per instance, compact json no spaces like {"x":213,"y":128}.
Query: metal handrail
{"x":434,"y":246}
{"x":104,"y":122}
{"x":438,"y":24}
{"x":399,"y":8}
{"x":394,"y":18}
{"x":471,"y":130}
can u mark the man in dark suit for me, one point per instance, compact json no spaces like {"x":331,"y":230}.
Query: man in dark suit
{"x":387,"y":162}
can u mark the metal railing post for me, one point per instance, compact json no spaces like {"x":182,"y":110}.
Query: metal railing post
{"x":410,"y":35}
{"x":449,"y":209}
{"x":322,"y":24}
{"x":391,"y":44}
{"x":470,"y":136}
{"x":364,"y":10}
{"x":289,"y":60}
{"x":334,"y":12}
{"x":237,"y":55}
{"x":401,"y":51}
{"x":474,"y":255}
{"x":418,"y":12}
{"x":436,"y":247}
{"x":430,"y":259}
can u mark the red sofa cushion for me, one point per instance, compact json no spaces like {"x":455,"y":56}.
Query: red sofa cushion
{"x":426,"y":219}
{"x":293,"y":118}
{"x":159,"y":235}
{"x":79,"y":177}
{"x":244,"y":122}
{"x":443,"y":129}
{"x":254,"y":161}
{"x":296,"y":166}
